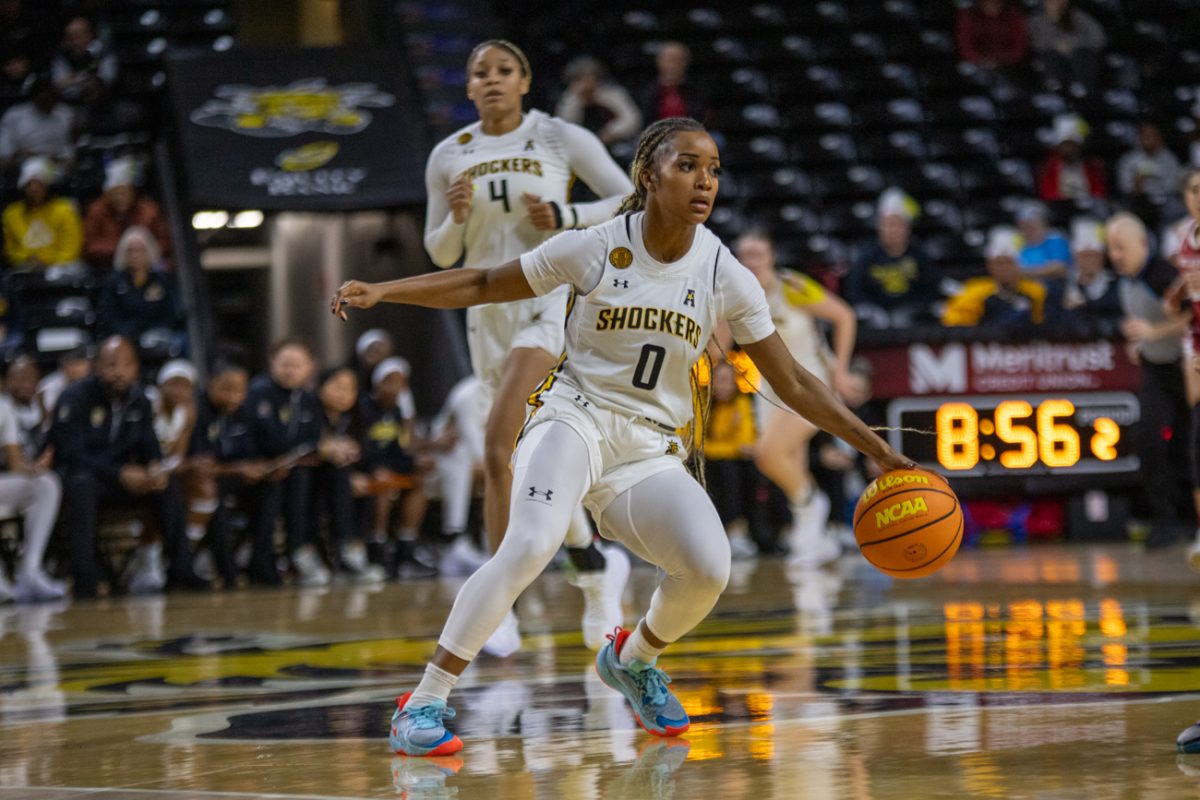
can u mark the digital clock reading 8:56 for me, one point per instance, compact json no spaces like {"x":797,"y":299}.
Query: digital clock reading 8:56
{"x":984,"y":435}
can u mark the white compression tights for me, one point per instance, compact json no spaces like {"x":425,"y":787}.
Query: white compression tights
{"x":666,"y":519}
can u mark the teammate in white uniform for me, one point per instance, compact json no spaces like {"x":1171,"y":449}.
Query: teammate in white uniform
{"x":797,"y":302}
{"x":649,"y":289}
{"x":498,"y":188}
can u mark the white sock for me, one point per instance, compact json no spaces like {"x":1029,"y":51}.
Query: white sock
{"x":195,"y":531}
{"x":434,"y":686}
{"x":408,"y":534}
{"x":636,"y":648}
{"x":801,"y":499}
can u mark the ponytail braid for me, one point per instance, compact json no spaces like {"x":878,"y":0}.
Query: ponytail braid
{"x":649,"y":145}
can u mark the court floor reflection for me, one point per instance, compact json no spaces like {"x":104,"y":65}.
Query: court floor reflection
{"x":1048,"y":672}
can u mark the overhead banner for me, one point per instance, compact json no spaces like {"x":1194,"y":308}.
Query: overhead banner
{"x":315,"y":130}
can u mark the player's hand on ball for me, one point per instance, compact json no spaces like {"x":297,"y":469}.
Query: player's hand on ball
{"x":894,"y":460}
{"x":541,"y":214}
{"x":354,"y":294}
{"x":459,"y":198}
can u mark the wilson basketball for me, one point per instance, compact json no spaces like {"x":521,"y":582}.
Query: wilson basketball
{"x":908,"y":523}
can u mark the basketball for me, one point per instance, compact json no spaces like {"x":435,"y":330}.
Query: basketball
{"x":908,"y":523}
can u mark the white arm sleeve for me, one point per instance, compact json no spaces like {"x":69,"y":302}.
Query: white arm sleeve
{"x":443,"y":236}
{"x":627,"y":119}
{"x":569,"y":108}
{"x":574,"y":258}
{"x":741,"y":301}
{"x":591,"y":162}
{"x":9,"y":432}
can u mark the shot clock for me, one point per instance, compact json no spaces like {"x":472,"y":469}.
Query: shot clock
{"x":981,"y":435}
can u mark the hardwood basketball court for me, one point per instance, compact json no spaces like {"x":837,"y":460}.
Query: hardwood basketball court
{"x":1048,"y":672}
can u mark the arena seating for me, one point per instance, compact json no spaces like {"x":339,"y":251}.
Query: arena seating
{"x":822,"y":104}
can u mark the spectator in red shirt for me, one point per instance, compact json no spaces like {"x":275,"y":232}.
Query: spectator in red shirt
{"x":671,"y":95}
{"x":992,"y":33}
{"x":1066,"y":173}
{"x":117,"y":210}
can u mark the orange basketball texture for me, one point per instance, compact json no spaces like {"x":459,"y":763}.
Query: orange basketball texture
{"x":908,"y":523}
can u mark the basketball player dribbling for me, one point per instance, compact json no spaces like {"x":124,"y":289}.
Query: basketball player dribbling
{"x":498,"y":188}
{"x":649,"y":286}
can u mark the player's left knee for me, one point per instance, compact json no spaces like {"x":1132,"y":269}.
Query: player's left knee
{"x":709,"y":575}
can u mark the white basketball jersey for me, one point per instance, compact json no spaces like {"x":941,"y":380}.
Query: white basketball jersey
{"x":636,"y":325}
{"x":531,"y":159}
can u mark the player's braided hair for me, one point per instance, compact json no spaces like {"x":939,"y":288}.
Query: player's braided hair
{"x":648,"y":149}
{"x":503,"y":44}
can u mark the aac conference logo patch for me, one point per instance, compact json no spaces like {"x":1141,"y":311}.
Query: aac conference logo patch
{"x":620,"y":257}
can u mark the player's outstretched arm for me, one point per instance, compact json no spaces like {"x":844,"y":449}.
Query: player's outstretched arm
{"x":813,"y":400}
{"x":455,"y":289}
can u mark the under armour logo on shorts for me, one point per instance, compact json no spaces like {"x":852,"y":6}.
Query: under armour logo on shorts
{"x":620,"y":284}
{"x":579,"y":399}
{"x":534,"y":493}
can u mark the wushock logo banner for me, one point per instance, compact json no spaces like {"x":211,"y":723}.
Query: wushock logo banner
{"x":319,"y":130}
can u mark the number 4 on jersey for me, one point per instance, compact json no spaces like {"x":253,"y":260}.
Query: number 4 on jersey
{"x":498,"y":192}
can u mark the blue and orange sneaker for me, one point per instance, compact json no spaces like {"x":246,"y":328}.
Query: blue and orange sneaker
{"x":420,"y":732}
{"x":644,"y":686}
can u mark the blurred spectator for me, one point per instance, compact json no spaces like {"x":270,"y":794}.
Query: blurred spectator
{"x":30,"y":488}
{"x":372,"y":347}
{"x":1150,"y":170}
{"x":596,"y":102}
{"x":340,"y":450}
{"x":43,"y":126}
{"x":107,"y":454}
{"x":73,"y":366}
{"x":83,"y":70}
{"x":138,"y":298}
{"x":389,"y":458}
{"x":1065,"y":173}
{"x":287,"y":430}
{"x":671,"y":95}
{"x":117,"y":210}
{"x":1155,"y":341}
{"x":892,"y":282}
{"x":1045,"y":254}
{"x":25,"y":43}
{"x":33,"y":418}
{"x":992,"y":33}
{"x":1194,"y":147}
{"x":458,"y":469}
{"x":223,"y":461}
{"x":1070,"y":43}
{"x":174,"y":404}
{"x":1004,"y":298}
{"x":730,"y":475}
{"x":1092,"y":291}
{"x":42,"y":232}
